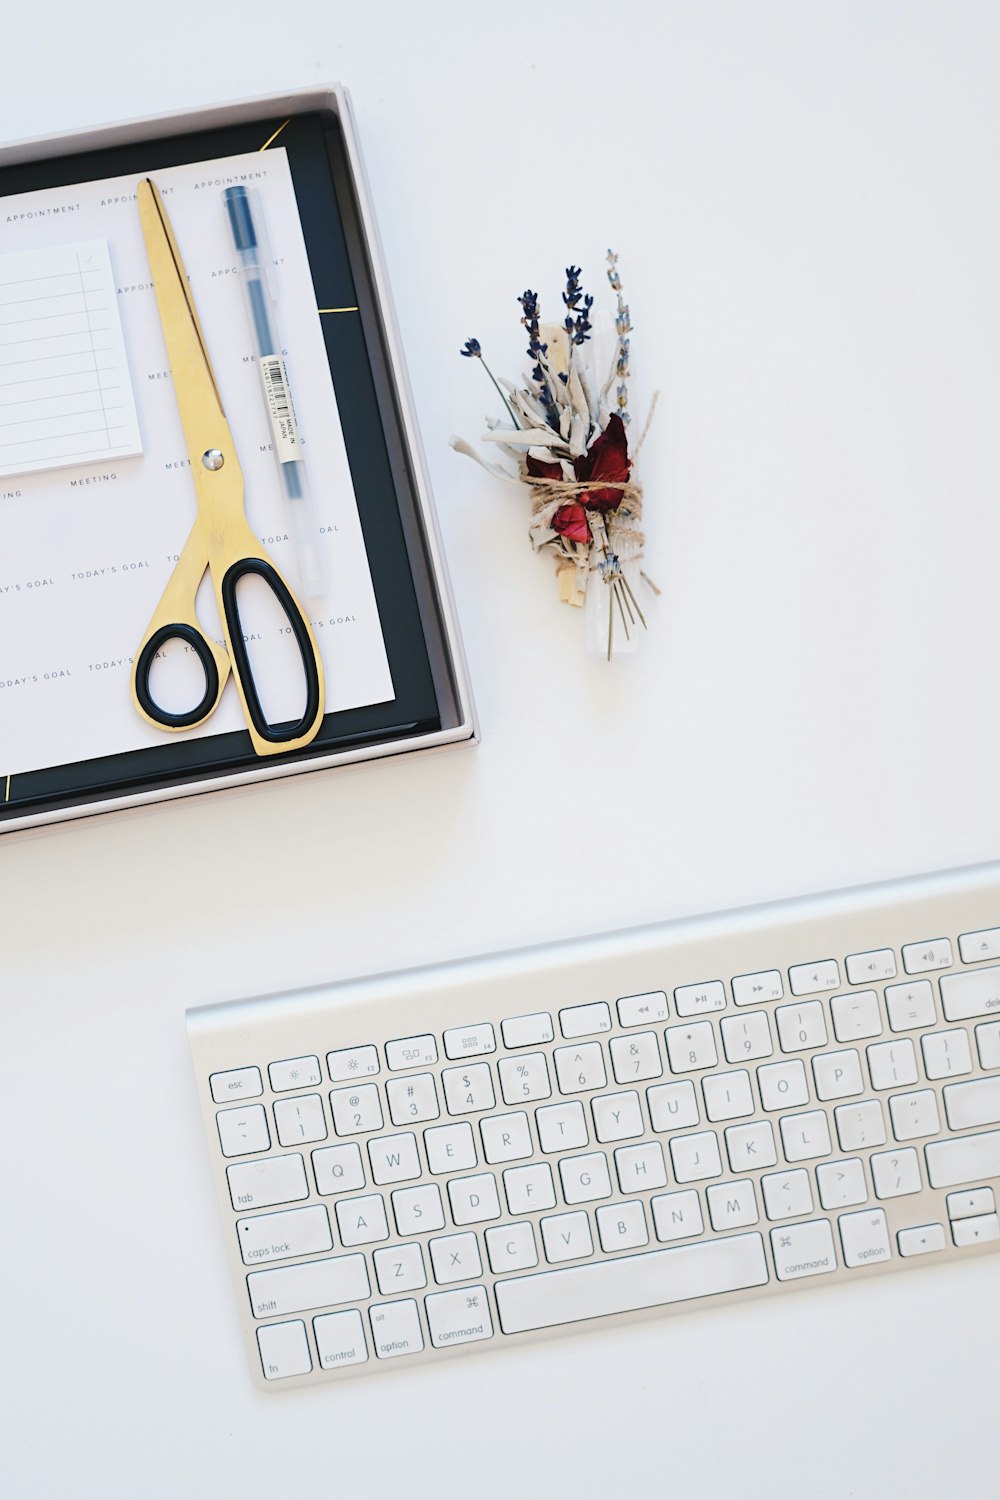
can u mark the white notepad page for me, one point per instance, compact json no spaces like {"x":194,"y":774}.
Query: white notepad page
{"x":65,"y":393}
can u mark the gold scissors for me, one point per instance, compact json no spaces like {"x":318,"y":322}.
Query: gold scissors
{"x":221,"y":538}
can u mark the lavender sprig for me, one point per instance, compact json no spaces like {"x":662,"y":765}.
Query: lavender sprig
{"x":623,"y":327}
{"x":473,"y":350}
{"x":536,"y":351}
{"x":578,"y":327}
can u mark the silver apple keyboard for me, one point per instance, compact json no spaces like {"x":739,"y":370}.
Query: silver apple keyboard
{"x":493,"y":1150}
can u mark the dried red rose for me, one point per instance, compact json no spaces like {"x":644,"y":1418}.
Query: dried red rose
{"x":606,"y":458}
{"x":570,"y":521}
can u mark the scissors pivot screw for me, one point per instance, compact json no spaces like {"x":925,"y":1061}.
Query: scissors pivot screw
{"x":213,"y":459}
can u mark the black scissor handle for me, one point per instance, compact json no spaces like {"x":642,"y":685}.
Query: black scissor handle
{"x":260,"y":567}
{"x":144,"y":667}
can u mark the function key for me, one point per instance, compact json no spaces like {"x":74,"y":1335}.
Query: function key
{"x":527,"y":1031}
{"x":237,"y":1083}
{"x":975,"y":946}
{"x":641,"y":1010}
{"x":352,"y":1062}
{"x":919,"y":957}
{"x":411,"y":1052}
{"x":808,"y":979}
{"x":294,"y":1073}
{"x":866,"y":968}
{"x":585,"y":1020}
{"x":754,"y":989}
{"x":470,"y":1041}
{"x":700,"y":999}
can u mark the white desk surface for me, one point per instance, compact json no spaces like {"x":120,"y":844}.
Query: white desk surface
{"x":805,"y":201}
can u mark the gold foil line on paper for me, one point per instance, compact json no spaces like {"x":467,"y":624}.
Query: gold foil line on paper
{"x":336,"y":309}
{"x":274,"y":137}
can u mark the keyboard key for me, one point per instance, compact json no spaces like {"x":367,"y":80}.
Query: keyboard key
{"x":892,"y":1065}
{"x":914,"y":1115}
{"x":458,"y":1317}
{"x":988,"y":1044}
{"x":398,"y":1269}
{"x":842,"y":1183}
{"x":642,"y":1010}
{"x":757,"y":989}
{"x":261,"y":1184}
{"x":527,"y":1031}
{"x":806,"y":1136}
{"x":617,"y":1117}
{"x":524,"y":1078}
{"x":782,"y":1085}
{"x":585,"y":1178}
{"x":450,"y":1148}
{"x":411,"y":1052}
{"x":469,"y":1041}
{"x":566,"y":1237}
{"x":946,"y":1053}
{"x":579,"y":1068}
{"x":636,"y":1057}
{"x":728,"y":1096}
{"x":651,"y":1279}
{"x":561,"y":1127}
{"x":584,"y":1020}
{"x":976,"y":1231}
{"x":418,"y":1210}
{"x":918,"y":958}
{"x":621,"y":1226}
{"x":967,"y":1205}
{"x":318,"y":1283}
{"x":673,"y":1106}
{"x":243,"y":1131}
{"x":394,"y":1158}
{"x":474,"y":1199}
{"x":691,"y":1047}
{"x":412,"y":1100}
{"x":677,"y":1216}
{"x":356,"y":1110}
{"x":237,"y":1083}
{"x":750,"y":1146}
{"x":340,"y":1339}
{"x":362,"y":1221}
{"x":294,"y":1073}
{"x":700,"y":999}
{"x":300,"y":1120}
{"x":468,"y":1089}
{"x":395,"y":1328}
{"x":860,"y":1125}
{"x":801,"y":1026}
{"x":864,"y":1237}
{"x":809,"y":979}
{"x":338,"y":1169}
{"x":511,"y":1247}
{"x":968,"y":1104}
{"x":975,"y":946}
{"x":640,"y":1168}
{"x":896,"y":1173}
{"x":921,"y":1240}
{"x":506,"y":1137}
{"x":837,"y":1075}
{"x":867,"y":968}
{"x":296,"y":1231}
{"x":695,"y":1157}
{"x":965,"y":996}
{"x":732,"y":1205}
{"x":803,"y":1250}
{"x":352,"y":1062}
{"x":787,"y":1194}
{"x":455,"y":1257}
{"x":284,"y":1350}
{"x":746,"y":1037}
{"x":529,"y":1189}
{"x":910,"y":1006}
{"x":856,"y":1017}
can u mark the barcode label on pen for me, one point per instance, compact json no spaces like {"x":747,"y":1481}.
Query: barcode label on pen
{"x":274,"y":378}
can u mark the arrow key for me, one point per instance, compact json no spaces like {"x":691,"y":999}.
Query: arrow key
{"x":922,"y":1240}
{"x":976,"y":1231}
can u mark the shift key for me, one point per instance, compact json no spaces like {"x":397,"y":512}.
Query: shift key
{"x":298,"y":1231}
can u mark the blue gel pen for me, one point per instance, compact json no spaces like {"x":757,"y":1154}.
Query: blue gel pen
{"x":286,"y":443}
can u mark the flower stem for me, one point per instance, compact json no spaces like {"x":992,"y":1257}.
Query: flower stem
{"x":500,"y":393}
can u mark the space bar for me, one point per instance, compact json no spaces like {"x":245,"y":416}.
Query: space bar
{"x":631,"y":1281}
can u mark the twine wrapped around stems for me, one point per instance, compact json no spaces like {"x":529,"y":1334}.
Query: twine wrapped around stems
{"x":548,"y":495}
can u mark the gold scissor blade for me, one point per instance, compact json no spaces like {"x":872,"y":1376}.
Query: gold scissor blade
{"x":186,"y":347}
